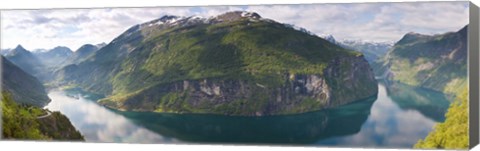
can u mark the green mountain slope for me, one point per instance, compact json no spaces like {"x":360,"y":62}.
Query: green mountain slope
{"x":236,"y":63}
{"x":437,"y":62}
{"x":24,"y":88}
{"x":21,"y":122}
{"x":23,"y":97}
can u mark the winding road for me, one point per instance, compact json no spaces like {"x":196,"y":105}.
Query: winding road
{"x":44,"y":116}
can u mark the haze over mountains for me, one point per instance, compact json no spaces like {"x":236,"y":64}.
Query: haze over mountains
{"x":53,"y":57}
{"x":23,"y":87}
{"x":371,"y":50}
{"x":43,"y":62}
{"x":27,"y":61}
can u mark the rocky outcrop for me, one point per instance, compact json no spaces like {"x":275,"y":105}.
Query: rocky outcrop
{"x":345,"y":80}
{"x":58,"y":127}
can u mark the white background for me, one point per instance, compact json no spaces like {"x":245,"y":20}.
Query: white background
{"x":62,"y":146}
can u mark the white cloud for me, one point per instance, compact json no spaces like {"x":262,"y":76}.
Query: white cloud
{"x":368,"y":21}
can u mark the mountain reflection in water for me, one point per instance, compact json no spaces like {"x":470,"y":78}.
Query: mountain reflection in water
{"x":397,"y":117}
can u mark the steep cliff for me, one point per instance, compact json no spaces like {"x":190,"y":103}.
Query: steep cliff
{"x":237,"y":63}
{"x":437,"y":62}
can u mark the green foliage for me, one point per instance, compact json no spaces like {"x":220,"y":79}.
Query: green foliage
{"x":21,"y":122}
{"x":453,"y":133}
{"x":232,"y":50}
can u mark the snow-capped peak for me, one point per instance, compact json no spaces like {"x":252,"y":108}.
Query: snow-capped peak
{"x":167,"y":19}
{"x":362,"y":41}
{"x":250,"y":15}
{"x":329,"y":38}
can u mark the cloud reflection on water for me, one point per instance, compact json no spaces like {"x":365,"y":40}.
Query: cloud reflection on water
{"x":387,"y":126}
{"x":98,"y":124}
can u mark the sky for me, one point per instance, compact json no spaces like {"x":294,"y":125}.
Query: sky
{"x":381,"y":22}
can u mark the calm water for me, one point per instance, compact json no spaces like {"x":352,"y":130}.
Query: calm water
{"x":397,"y":117}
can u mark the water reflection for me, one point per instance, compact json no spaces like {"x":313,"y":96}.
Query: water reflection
{"x":398,"y":117}
{"x":388,"y":126}
{"x":293,"y":129}
{"x":98,"y":124}
{"x":430,"y":103}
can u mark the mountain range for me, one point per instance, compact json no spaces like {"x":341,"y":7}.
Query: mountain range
{"x":54,"y":57}
{"x":184,"y":61}
{"x":27,"y":61}
{"x":236,"y":63}
{"x":371,"y":50}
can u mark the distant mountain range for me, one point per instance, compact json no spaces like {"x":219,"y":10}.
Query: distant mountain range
{"x":83,"y":53}
{"x":43,"y":62}
{"x":371,"y":50}
{"x":54,"y":57}
{"x":27,"y":61}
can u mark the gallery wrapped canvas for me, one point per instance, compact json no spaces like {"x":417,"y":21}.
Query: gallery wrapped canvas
{"x":358,"y":75}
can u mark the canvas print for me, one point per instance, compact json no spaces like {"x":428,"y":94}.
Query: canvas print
{"x":386,"y":75}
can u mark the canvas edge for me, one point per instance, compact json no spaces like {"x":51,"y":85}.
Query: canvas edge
{"x":473,"y":74}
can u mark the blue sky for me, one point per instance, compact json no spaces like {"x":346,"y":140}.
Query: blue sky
{"x":35,"y":29}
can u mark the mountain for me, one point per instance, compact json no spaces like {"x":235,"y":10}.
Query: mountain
{"x":23,"y":87}
{"x":27,"y":61}
{"x":331,"y":39}
{"x":438,"y":62}
{"x":101,"y":45}
{"x":4,"y":51}
{"x":236,"y":63}
{"x":371,"y":50}
{"x":83,"y":53}
{"x":54,"y":57}
{"x":23,"y":98}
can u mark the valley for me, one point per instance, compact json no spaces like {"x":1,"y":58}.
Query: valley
{"x":192,"y":79}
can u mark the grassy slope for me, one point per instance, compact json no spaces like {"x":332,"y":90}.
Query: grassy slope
{"x":20,"y":122}
{"x":232,"y":50}
{"x":453,"y":133}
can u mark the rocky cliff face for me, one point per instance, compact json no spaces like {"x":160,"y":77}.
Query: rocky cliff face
{"x":345,"y":80}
